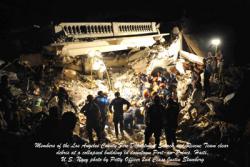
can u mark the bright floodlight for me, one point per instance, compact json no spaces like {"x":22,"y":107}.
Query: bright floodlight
{"x":215,"y":42}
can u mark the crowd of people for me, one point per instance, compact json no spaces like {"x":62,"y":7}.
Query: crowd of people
{"x":158,"y":111}
{"x":160,"y":105}
{"x":214,"y":65}
{"x":56,"y":125}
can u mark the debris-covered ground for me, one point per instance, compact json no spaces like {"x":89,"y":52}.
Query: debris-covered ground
{"x":210,"y":124}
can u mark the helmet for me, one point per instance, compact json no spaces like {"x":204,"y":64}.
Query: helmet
{"x":162,"y":85}
{"x":153,"y":93}
{"x":146,"y":93}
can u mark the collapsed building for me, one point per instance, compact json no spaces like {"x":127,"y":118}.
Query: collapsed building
{"x":109,"y":56}
{"x":103,"y":48}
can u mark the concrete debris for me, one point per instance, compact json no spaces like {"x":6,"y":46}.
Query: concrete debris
{"x":228,"y":98}
{"x":182,"y":89}
{"x":12,"y":76}
{"x":192,"y":57}
{"x":206,"y":125}
{"x":69,"y":74}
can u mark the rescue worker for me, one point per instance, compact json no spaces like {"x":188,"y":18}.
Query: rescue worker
{"x":147,"y":99}
{"x":164,"y":92}
{"x":139,"y":117}
{"x":214,"y":68}
{"x":93,"y":118}
{"x":160,"y":78}
{"x":207,"y":74}
{"x":38,"y":104}
{"x":154,"y":121}
{"x":142,"y":81}
{"x":63,"y":97}
{"x":117,"y":103}
{"x":102,"y":101}
{"x":171,"y":117}
{"x":220,"y":64}
{"x":129,"y":120}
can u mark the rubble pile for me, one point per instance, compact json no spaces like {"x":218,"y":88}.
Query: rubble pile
{"x":127,"y":84}
{"x":208,"y":124}
{"x":79,"y":90}
{"x":182,"y":87}
{"x":210,"y":118}
{"x":146,"y":61}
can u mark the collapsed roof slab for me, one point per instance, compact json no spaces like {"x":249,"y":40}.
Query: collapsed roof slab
{"x":105,"y":45}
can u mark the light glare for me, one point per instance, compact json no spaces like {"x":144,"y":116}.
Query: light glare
{"x":215,"y":42}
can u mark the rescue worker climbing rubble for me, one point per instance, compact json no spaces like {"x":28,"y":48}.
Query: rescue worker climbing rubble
{"x":63,"y":97}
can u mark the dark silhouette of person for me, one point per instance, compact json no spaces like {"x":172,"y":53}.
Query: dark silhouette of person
{"x":171,"y":117}
{"x":220,"y":63}
{"x":93,"y":118}
{"x":8,"y":103}
{"x":102,"y":101}
{"x":47,"y":132}
{"x":207,"y":74}
{"x":63,"y":97}
{"x":117,"y":104}
{"x":154,"y":121}
{"x":67,"y":126}
{"x":63,"y":134}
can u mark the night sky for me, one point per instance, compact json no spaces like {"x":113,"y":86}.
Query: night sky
{"x":25,"y":12}
{"x":207,"y":18}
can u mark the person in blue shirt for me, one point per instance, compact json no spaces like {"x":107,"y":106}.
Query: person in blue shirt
{"x":102,"y":101}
